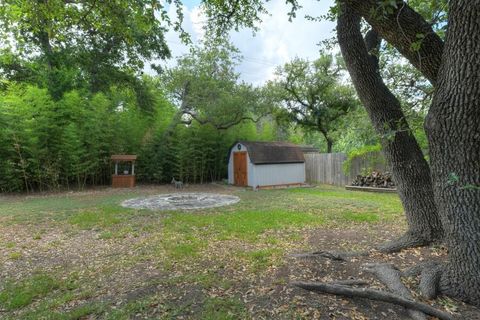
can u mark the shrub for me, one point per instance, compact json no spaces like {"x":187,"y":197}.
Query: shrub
{"x":371,"y":156}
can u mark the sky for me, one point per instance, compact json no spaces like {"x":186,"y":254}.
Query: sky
{"x":276,"y":42}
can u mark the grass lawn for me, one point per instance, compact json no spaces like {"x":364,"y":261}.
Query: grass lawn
{"x":80,"y":255}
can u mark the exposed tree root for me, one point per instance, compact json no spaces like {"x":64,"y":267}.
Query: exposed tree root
{"x":337,"y":256}
{"x":417,"y":269}
{"x":351,"y":282}
{"x":430,"y":275}
{"x":408,"y":240}
{"x":391,"y":277}
{"x":372,"y":294}
{"x":430,"y":280}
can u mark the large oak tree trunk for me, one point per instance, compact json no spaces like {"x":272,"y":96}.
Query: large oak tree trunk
{"x":409,"y":167}
{"x":453,"y":129}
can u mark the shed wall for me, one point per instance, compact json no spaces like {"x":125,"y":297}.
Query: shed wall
{"x":278,"y":174}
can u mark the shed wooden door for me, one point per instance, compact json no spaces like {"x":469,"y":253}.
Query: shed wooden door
{"x":240,"y":169}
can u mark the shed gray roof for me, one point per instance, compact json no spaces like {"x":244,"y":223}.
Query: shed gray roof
{"x":261,"y":152}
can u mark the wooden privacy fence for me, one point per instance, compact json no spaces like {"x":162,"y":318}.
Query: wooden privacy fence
{"x":327,"y":168}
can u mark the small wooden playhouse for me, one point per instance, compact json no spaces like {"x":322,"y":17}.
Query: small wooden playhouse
{"x":124,"y":178}
{"x":266,"y":164}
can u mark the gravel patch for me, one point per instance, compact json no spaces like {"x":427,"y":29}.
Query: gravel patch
{"x":181,"y":201}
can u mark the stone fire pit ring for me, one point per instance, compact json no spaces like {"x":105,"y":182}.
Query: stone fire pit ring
{"x":181,"y":201}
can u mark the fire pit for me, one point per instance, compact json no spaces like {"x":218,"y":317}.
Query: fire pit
{"x":181,"y":201}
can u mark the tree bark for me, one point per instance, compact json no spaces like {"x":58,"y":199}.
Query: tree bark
{"x":329,"y":146}
{"x":324,"y":132}
{"x":327,"y":139}
{"x":453,"y":130}
{"x":409,"y":167}
{"x":402,"y":29}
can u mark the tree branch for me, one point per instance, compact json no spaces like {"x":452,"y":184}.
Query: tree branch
{"x":294,"y":93}
{"x":230,"y":14}
{"x":404,"y":28}
{"x":220,"y":126}
{"x":85,"y":15}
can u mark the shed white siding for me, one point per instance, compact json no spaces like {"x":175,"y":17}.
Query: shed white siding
{"x":268,"y":174}
{"x":278,"y":174}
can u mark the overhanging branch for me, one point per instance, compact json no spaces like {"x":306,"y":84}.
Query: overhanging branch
{"x":219,"y":126}
{"x":406,"y":30}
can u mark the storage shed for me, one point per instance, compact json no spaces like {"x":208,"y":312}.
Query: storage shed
{"x":266,"y":164}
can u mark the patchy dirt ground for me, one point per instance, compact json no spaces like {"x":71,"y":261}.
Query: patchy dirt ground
{"x":107,"y":262}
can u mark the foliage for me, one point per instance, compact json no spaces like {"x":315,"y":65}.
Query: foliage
{"x":50,"y":141}
{"x":48,"y":144}
{"x":370,"y":154}
{"x":355,"y":131}
{"x":412,"y":89}
{"x":227,"y":15}
{"x":65,"y":45}
{"x":194,"y":154}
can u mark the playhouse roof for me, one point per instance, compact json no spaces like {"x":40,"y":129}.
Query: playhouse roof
{"x":261,"y":152}
{"x":123,"y":157}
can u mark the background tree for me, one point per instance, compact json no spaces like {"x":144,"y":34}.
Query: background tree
{"x":313,"y":96}
{"x":206,"y":87}
{"x":211,"y":110}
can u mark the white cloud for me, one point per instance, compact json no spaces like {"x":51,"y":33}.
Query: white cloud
{"x":277,"y":41}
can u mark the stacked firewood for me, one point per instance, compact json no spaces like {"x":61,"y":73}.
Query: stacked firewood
{"x":375,"y":180}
